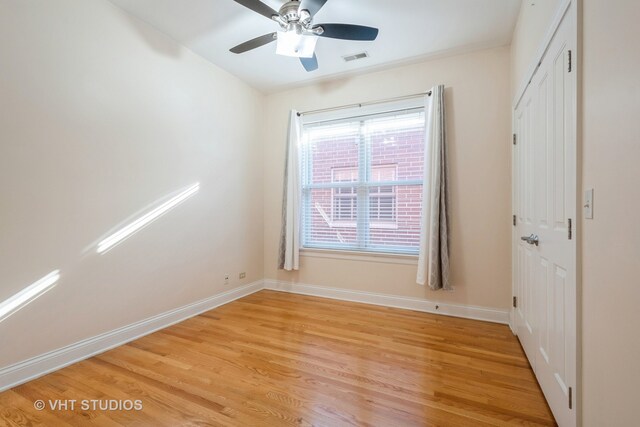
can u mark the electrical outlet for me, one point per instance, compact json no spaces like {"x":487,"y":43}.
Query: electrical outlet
{"x":242,"y":275}
{"x":226,"y":279}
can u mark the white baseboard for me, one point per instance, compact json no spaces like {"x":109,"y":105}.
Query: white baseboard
{"x":494,"y":315}
{"x":33,"y":368}
{"x":30,"y":369}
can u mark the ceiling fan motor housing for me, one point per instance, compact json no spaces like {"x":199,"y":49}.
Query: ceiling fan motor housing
{"x":290,"y":12}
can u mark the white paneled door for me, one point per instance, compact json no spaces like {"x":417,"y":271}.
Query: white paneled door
{"x":545,"y":183}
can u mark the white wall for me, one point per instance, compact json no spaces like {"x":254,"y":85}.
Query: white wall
{"x":478,"y":106}
{"x":100,"y":117}
{"x":611,"y":241}
{"x":533,"y":22}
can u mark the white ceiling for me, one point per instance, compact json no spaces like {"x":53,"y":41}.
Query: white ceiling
{"x":409,"y":29}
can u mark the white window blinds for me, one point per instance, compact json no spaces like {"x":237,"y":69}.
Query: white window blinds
{"x":362,"y":182}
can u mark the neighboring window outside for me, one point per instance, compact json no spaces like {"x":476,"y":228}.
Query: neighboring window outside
{"x":362,"y":182}
{"x":382,"y":199}
{"x":345,"y":198}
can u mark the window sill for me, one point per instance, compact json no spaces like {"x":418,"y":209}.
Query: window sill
{"x":376,"y":257}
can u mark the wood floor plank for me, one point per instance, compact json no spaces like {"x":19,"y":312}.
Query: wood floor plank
{"x":273,"y":359}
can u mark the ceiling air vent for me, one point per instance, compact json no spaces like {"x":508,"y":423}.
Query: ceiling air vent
{"x":355,"y":57}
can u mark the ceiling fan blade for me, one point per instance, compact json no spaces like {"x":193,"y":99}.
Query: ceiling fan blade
{"x":348,"y":32}
{"x":254,"y":43}
{"x":310,"y":64}
{"x":313,"y":6}
{"x":258,"y":6}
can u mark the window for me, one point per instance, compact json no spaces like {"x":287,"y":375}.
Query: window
{"x":382,"y":201}
{"x":344,"y":199}
{"x":362,"y":182}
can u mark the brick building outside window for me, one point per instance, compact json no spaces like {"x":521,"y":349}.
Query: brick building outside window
{"x":362,"y":182}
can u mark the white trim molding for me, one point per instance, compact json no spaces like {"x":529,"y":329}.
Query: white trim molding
{"x":494,"y":315}
{"x":38,"y":366}
{"x":30,"y":369}
{"x":386,"y":258}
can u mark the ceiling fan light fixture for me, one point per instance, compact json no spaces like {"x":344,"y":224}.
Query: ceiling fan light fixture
{"x":290,"y":43}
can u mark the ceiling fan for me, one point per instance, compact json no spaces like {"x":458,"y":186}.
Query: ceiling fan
{"x":298,"y":35}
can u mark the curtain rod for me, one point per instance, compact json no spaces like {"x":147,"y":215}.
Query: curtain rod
{"x":362,"y":104}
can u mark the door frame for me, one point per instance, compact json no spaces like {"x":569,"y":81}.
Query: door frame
{"x":567,"y":7}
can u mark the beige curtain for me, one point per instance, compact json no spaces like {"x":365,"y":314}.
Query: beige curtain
{"x":433,"y":262}
{"x":289,"y":253}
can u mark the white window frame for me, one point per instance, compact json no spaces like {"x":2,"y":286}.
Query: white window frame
{"x":363,"y":185}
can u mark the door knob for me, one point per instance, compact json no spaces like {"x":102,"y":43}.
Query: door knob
{"x":531,"y":239}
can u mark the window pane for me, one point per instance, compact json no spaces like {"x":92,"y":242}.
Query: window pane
{"x":395,"y":223}
{"x":355,"y":194}
{"x":344,"y":198}
{"x":382,"y":208}
{"x":332,"y":147}
{"x":330,"y":220}
{"x":397,"y":141}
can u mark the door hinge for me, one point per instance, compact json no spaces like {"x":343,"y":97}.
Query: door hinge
{"x":570,"y":230}
{"x":570,"y":61}
{"x":570,"y":398}
{"x":514,"y":139}
{"x":514,"y":220}
{"x":515,"y":302}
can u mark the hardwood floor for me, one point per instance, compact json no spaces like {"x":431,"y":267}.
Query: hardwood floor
{"x":274,"y":359}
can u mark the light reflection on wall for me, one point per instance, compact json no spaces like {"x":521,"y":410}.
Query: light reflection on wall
{"x":28,"y":295}
{"x":146,"y":219}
